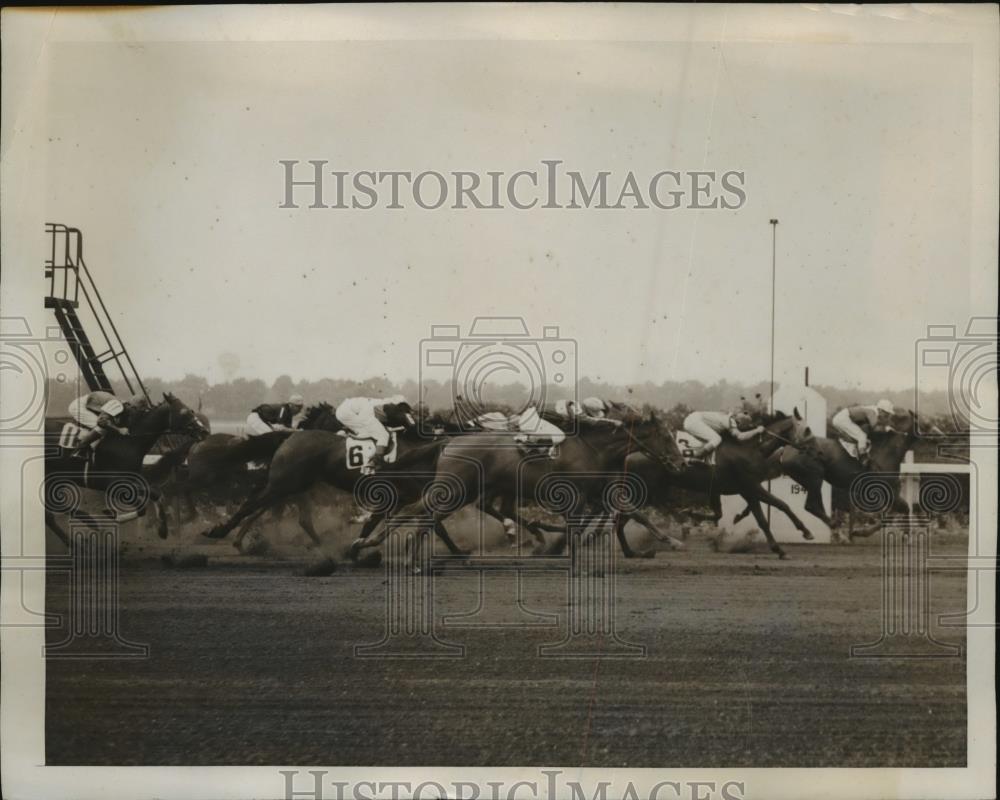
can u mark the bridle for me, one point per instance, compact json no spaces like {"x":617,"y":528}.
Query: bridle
{"x":646,"y":451}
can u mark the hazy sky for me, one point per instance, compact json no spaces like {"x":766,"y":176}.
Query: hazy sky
{"x":166,"y":155}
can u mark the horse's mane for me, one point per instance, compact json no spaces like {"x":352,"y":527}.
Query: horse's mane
{"x":313,"y":413}
{"x":770,"y":419}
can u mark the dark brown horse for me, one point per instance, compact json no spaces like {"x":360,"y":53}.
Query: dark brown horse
{"x":313,"y":457}
{"x":739,"y":469}
{"x":826,"y":460}
{"x":116,"y":466}
{"x":219,"y":467}
{"x":488,"y":469}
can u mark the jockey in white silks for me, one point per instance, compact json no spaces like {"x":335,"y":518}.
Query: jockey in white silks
{"x":593,"y":408}
{"x":360,"y":416}
{"x":532,"y":429}
{"x":709,"y":426}
{"x":98,"y":412}
{"x":855,"y":423}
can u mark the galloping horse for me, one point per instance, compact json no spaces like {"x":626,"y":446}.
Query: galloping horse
{"x":484,"y":468}
{"x":317,"y":456}
{"x":116,"y":465}
{"x":219,"y":463}
{"x":740,"y":468}
{"x":826,"y":460}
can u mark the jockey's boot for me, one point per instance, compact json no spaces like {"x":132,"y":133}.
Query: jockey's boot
{"x":84,"y":446}
{"x":377,"y":460}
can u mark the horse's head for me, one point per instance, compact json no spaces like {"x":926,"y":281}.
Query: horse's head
{"x":180,"y":418}
{"x":655,"y":439}
{"x":889,"y":446}
{"x":399,"y":415}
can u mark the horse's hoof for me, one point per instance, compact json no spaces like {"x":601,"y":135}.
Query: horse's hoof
{"x":238,"y":545}
{"x":162,"y":531}
{"x":213,"y":533}
{"x":782,"y":555}
{"x":807,"y":535}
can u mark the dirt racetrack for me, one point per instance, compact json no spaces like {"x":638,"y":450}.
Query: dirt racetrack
{"x":747,"y":663}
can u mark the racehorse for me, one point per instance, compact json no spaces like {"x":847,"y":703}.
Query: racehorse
{"x":484,"y":468}
{"x":826,"y":459}
{"x":318,"y":456}
{"x":739,"y":468}
{"x":220,"y":463}
{"x":115,"y":465}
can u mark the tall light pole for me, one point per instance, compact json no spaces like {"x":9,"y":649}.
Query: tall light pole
{"x":774,"y":263}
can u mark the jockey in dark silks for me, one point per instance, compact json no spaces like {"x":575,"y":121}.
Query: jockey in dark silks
{"x":855,"y":424}
{"x":274,"y":416}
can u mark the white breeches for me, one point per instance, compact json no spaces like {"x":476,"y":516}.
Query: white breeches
{"x":83,"y":415}
{"x":256,"y":426}
{"x":532,"y":424}
{"x":360,"y":420}
{"x":849,"y":429}
{"x":696,"y":426}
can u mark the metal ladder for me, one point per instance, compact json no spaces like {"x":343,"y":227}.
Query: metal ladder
{"x":69,"y":281}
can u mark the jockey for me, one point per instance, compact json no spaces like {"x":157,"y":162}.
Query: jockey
{"x":274,"y":416}
{"x":593,"y":408}
{"x":709,"y":426}
{"x":98,"y":412}
{"x":532,"y":429}
{"x":360,"y":416}
{"x":855,"y":423}
{"x":566,"y":409}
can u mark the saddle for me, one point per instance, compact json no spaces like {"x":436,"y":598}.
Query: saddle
{"x":69,"y":440}
{"x":358,"y":452}
{"x":688,"y":444}
{"x":851,"y":448}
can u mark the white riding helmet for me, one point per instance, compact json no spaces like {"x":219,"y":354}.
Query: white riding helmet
{"x":594,"y":405}
{"x":562,"y":408}
{"x":112,"y":408}
{"x":296,"y":400}
{"x":885,"y":405}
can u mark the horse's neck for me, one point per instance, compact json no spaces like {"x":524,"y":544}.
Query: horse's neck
{"x":149,"y":428}
{"x":771,"y":443}
{"x":888,"y":455}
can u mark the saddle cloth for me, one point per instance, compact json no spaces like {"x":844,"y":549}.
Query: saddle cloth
{"x":69,"y":436}
{"x":687,"y":444}
{"x":358,"y":453}
{"x":851,"y":448}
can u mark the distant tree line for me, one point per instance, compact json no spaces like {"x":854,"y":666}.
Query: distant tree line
{"x":233,"y":400}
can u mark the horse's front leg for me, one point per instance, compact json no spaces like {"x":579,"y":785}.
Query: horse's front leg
{"x":758,"y":514}
{"x":156,"y":498}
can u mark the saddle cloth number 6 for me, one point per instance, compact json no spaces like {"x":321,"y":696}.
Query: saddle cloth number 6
{"x":360,"y":451}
